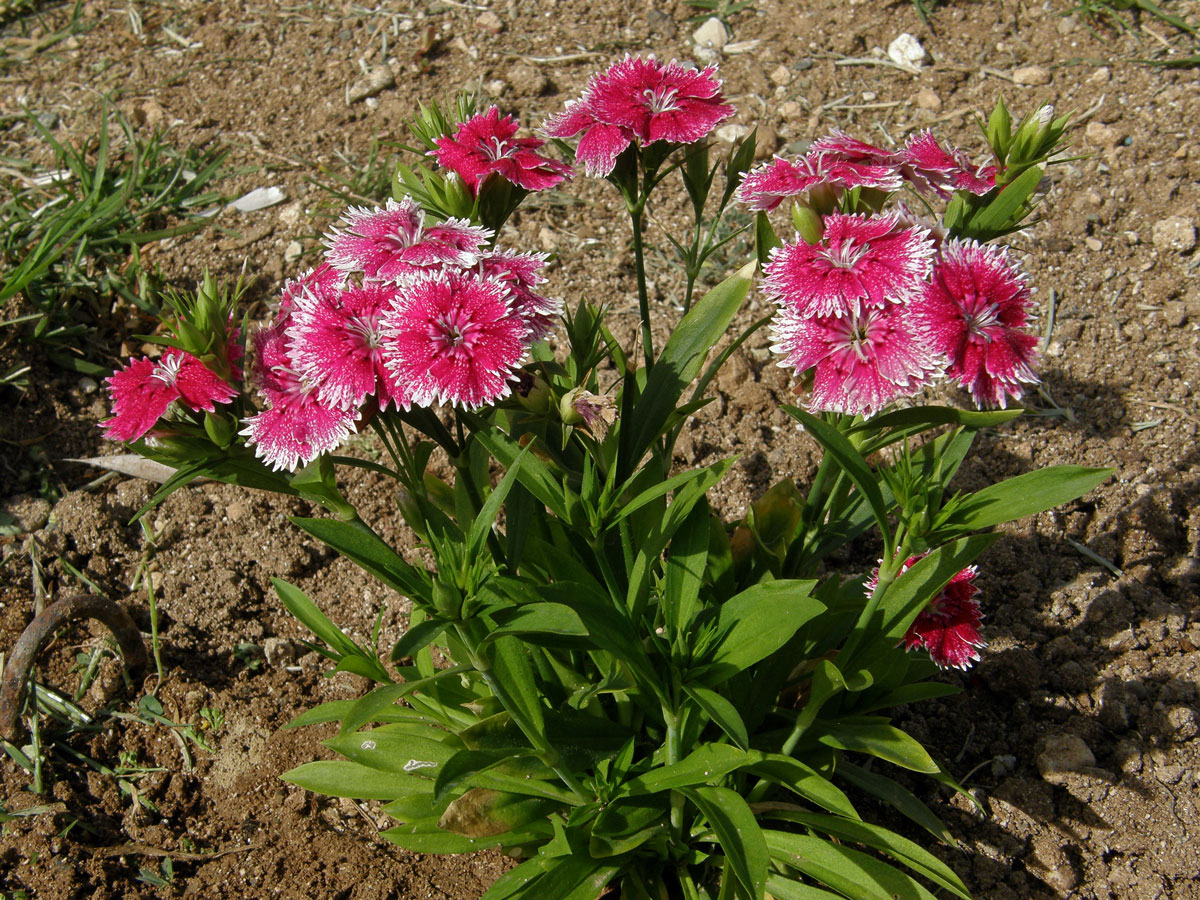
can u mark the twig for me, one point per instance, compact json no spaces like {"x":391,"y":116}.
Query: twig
{"x":872,"y":61}
{"x":1091,"y":111}
{"x":553,"y":60}
{"x":42,"y":628}
{"x":888,"y":105}
{"x":996,"y":73}
{"x":1170,"y":407}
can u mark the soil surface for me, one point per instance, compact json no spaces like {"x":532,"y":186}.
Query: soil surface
{"x":1077,"y":732}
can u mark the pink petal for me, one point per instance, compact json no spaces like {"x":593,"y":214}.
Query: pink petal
{"x":138,"y":400}
{"x":599,"y":148}
{"x":297,"y":429}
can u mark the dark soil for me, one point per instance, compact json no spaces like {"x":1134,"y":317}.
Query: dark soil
{"x":1078,"y":730}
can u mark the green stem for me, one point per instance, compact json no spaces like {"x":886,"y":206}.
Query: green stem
{"x":674,"y":754}
{"x":636,"y":209}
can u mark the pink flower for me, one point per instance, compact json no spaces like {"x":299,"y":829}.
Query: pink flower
{"x":142,"y":391}
{"x":453,"y":337}
{"x":640,"y":100}
{"x":485,"y":144}
{"x":949,"y":626}
{"x":385,"y":243}
{"x":335,"y":337}
{"x":975,"y":312}
{"x":860,"y":261}
{"x":769,"y":185}
{"x":851,"y":149}
{"x":323,"y":277}
{"x":863,"y":360}
{"x":521,"y":272}
{"x":931,"y":168}
{"x":297,"y":426}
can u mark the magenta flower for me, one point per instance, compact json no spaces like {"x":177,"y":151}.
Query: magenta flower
{"x":486,"y":144}
{"x":143,"y":390}
{"x":640,"y":100}
{"x":453,"y":337}
{"x":863,"y":360}
{"x":522,"y":272}
{"x":930,"y":168}
{"x":385,"y":243}
{"x":860,"y":261}
{"x":948,"y":627}
{"x":975,"y":313}
{"x":335,"y":343}
{"x":297,"y":426}
{"x":323,"y":277}
{"x":850,"y":149}
{"x":770,"y":184}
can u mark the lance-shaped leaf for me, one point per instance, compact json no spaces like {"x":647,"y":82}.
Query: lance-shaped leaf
{"x":848,"y":871}
{"x":873,"y":736}
{"x":481,"y":812}
{"x":704,"y":765}
{"x":755,"y":623}
{"x":739,"y":834}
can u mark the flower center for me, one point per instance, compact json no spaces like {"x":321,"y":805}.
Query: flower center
{"x":844,"y":254}
{"x":453,"y":332}
{"x":495,"y":149}
{"x":661,"y":100}
{"x":979,"y":322}
{"x":167,"y":371}
{"x":365,"y":328}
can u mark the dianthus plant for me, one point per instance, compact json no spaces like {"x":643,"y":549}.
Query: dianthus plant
{"x":600,"y":675}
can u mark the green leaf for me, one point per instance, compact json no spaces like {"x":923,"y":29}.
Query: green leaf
{"x":739,"y":834}
{"x":765,"y":238}
{"x":755,"y":623}
{"x":679,"y":363}
{"x":395,"y":751}
{"x":848,"y":459}
{"x":879,"y":739}
{"x":459,"y":768}
{"x":898,"y":797}
{"x":848,"y":871}
{"x":533,"y":473}
{"x":342,"y":778}
{"x":418,"y":637}
{"x":899,"y":848}
{"x":804,"y":781}
{"x":1022,"y":496}
{"x":723,"y":713}
{"x":378,"y":704}
{"x":626,"y":824}
{"x":514,"y":683}
{"x":424,"y":836}
{"x":363,"y":546}
{"x":704,"y":765}
{"x":786,"y":889}
{"x":554,"y":878}
{"x":311,"y":617}
{"x":482,"y":526}
{"x":336,"y":710}
{"x":826,"y":681}
{"x":538,"y":619}
{"x":662,"y":488}
{"x":686,"y":560}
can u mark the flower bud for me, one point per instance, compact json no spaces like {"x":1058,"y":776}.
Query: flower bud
{"x":447,"y":600}
{"x":220,"y":429}
{"x":596,"y":412}
{"x":807,"y":222}
{"x":533,"y":392}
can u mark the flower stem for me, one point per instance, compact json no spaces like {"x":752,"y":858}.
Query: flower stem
{"x":636,"y":210}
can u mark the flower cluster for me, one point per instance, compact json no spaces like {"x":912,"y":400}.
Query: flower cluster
{"x":402,"y":313}
{"x":640,"y":101}
{"x":878,"y":304}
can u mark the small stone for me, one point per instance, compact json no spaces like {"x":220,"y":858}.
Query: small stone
{"x":279,"y":651}
{"x":28,"y":513}
{"x":528,"y":81}
{"x":292,"y":251}
{"x":405,"y":25}
{"x":1064,"y":754}
{"x":782,"y":75}
{"x":732,"y":133}
{"x":711,"y":34}
{"x":1093,"y":244}
{"x":869,"y":96}
{"x":1175,"y":314}
{"x":768,"y":140}
{"x":927,"y":99}
{"x":790,"y":109}
{"x":1100,"y":135}
{"x":490,"y":22}
{"x":1031,"y":76}
{"x":1175,"y":233}
{"x":548,"y":239}
{"x":378,"y":80}
{"x":87,"y":384}
{"x":496,"y":87}
{"x":906,"y":50}
{"x":236,"y":510}
{"x":1100,"y":76}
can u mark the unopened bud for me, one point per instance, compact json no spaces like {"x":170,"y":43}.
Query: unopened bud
{"x":808,"y":223}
